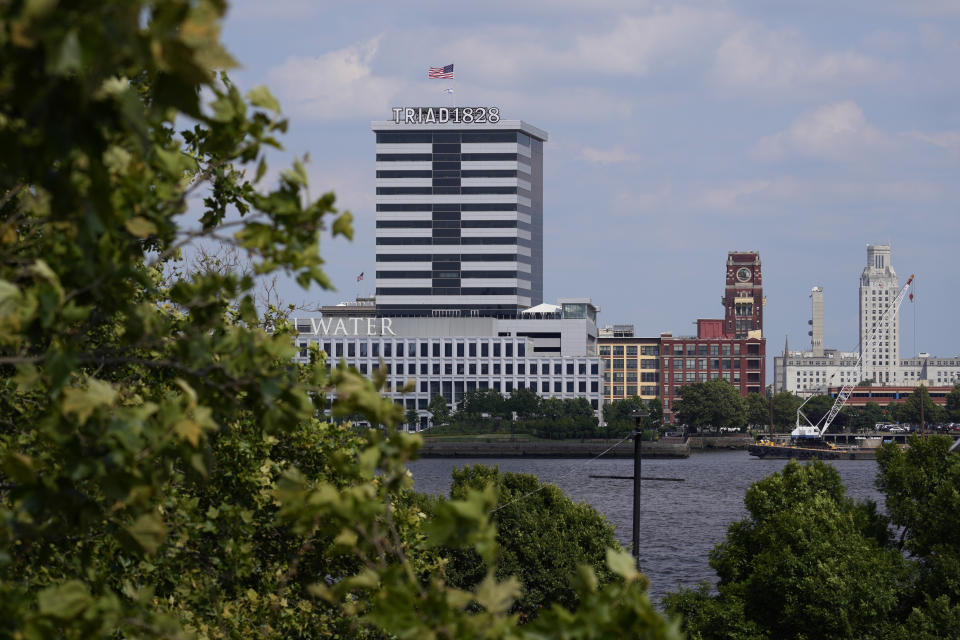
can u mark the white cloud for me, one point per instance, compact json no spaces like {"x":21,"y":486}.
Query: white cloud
{"x":949,"y":140}
{"x":338,"y":84}
{"x":731,"y":197}
{"x":614,"y":155}
{"x":835,"y":131}
{"x":761,"y":59}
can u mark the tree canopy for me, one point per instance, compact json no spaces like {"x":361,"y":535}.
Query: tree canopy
{"x":166,"y":469}
{"x":713,"y":404}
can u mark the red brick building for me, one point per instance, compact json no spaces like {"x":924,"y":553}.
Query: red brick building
{"x":732,"y":348}
{"x":686,"y":359}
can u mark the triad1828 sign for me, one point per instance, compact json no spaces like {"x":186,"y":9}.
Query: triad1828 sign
{"x":446,"y":115}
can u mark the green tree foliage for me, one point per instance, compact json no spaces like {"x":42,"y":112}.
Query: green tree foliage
{"x":758,"y":410}
{"x":712,"y":404}
{"x":922,"y":486}
{"x":807,"y":562}
{"x":543,"y":535}
{"x":163,"y":471}
{"x":952,"y":406}
{"x":483,"y":401}
{"x":411,"y":418}
{"x":439,"y":410}
{"x":865,"y":417}
{"x":911,"y":413}
{"x":620,"y":418}
{"x":524,"y":402}
{"x":784,"y":406}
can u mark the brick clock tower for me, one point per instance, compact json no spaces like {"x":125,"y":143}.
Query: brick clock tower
{"x":743,"y":296}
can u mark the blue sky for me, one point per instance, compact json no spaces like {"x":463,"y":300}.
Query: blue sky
{"x":678,"y":131}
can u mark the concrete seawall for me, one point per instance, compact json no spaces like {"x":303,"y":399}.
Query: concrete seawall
{"x":436,"y":448}
{"x":740,"y":442}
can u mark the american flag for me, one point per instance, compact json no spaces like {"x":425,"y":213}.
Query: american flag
{"x":443,"y":73}
{"x":360,"y":277}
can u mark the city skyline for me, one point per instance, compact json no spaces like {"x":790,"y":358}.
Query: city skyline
{"x":828,"y":140}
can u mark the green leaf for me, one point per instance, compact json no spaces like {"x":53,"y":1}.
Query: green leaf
{"x":64,"y":601}
{"x":343,"y":225}
{"x":261,"y":97}
{"x":83,"y":402}
{"x":622,"y":563}
{"x":71,"y":55}
{"x":148,"y":531}
{"x":140,"y":227}
{"x":19,"y":467}
{"x":497,"y":597}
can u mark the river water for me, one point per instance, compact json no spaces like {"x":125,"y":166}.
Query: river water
{"x":680,"y":522}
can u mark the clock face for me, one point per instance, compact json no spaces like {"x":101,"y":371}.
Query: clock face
{"x":743,"y":274}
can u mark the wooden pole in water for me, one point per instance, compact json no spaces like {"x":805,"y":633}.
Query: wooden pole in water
{"x":637,"y":435}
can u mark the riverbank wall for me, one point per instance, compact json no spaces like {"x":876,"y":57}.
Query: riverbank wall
{"x":737,"y":442}
{"x":442,"y":448}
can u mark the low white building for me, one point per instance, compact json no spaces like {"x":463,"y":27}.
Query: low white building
{"x":550,"y":349}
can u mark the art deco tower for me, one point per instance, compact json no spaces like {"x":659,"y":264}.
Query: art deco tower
{"x":878,"y":289}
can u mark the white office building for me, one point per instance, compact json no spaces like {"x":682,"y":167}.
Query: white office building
{"x":550,"y":349}
{"x":459,"y":213}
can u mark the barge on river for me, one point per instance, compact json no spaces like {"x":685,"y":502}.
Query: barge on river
{"x":816,"y":449}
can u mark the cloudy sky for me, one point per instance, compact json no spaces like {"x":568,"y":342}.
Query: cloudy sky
{"x":803,"y":129}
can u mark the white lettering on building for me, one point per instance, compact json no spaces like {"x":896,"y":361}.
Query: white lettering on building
{"x":352,"y":326}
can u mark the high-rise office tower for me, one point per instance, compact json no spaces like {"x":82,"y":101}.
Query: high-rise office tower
{"x":878,"y":289}
{"x":743,"y":296}
{"x":816,"y":321}
{"x":459,"y":213}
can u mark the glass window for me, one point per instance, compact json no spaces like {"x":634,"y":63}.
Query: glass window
{"x":726,"y":349}
{"x":484,"y":349}
{"x":448,"y":350}
{"x":557,"y":370}
{"x":618,"y":363}
{"x":412,"y":349}
{"x":496,"y":368}
{"x":545,"y":386}
{"x":484,"y":369}
{"x":582,"y":386}
{"x":714,"y":349}
{"x":618,"y":350}
{"x":569,"y":368}
{"x":701,"y":363}
{"x":678,"y":349}
{"x":521,"y":368}
{"x":691,"y":349}
{"x":424,"y":350}
{"x":459,"y":349}
{"x":472,"y":370}
{"x":691,"y":376}
{"x":632,"y":376}
{"x":521,"y":349}
{"x":631,"y":363}
{"x":557,"y":387}
{"x":423,"y":368}
{"x":594,"y":368}
{"x":631,"y":390}
{"x":631,"y":350}
{"x":435,"y":349}
{"x":604,"y":350}
{"x":509,"y":349}
{"x":701,"y":349}
{"x":533,"y":368}
{"x":569,"y":386}
{"x":496,"y":349}
{"x":582,"y":368}
{"x":351,"y":349}
{"x":678,"y":376}
{"x":594,"y":385}
{"x":339,"y":348}
{"x":691,"y":363}
{"x":473,"y":350}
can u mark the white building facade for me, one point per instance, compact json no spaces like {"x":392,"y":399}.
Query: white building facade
{"x":813,"y":372}
{"x":551,"y":350}
{"x":879,"y":287}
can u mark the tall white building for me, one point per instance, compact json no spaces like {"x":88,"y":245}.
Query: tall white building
{"x":878,"y":289}
{"x":816,"y":371}
{"x":459,"y":213}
